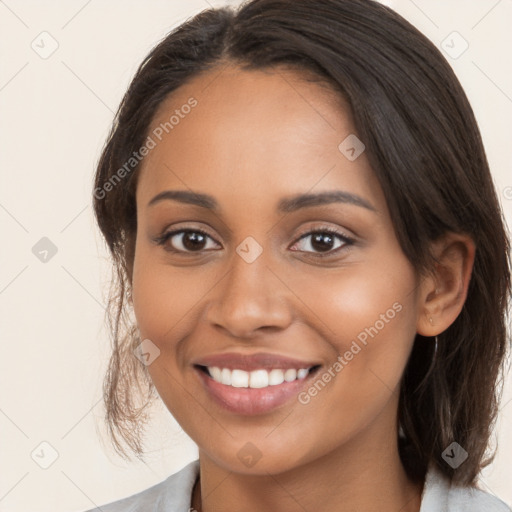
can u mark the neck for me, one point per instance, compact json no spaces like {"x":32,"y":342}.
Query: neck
{"x":367,"y":476}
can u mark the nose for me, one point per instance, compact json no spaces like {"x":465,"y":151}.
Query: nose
{"x":250,"y":299}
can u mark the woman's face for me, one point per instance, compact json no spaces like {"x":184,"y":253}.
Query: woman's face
{"x":290,"y":263}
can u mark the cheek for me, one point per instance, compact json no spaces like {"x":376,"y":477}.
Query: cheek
{"x":348,"y":299}
{"x":367,"y":316}
{"x":163,"y":302}
{"x":165,"y":296}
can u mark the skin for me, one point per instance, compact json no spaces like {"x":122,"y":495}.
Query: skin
{"x":253,"y":139}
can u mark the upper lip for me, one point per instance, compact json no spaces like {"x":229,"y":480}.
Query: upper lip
{"x":252,"y":362}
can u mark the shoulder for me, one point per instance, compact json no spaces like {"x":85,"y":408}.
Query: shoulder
{"x":440,"y":495}
{"x":171,"y":495}
{"x":475,"y":500}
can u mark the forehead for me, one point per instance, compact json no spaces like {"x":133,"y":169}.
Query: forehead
{"x":259,"y":132}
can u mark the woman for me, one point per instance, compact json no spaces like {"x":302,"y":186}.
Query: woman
{"x":303,"y":221}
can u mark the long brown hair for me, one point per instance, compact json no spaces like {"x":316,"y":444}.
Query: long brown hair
{"x":425,"y":148}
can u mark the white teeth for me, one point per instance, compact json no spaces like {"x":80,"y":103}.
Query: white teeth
{"x":239,"y":379}
{"x":257,"y":378}
{"x":216,"y":373}
{"x":225,"y":377}
{"x":290,"y":375}
{"x":302,"y":373}
{"x":275,"y":377}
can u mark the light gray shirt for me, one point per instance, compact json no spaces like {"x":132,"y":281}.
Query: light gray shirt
{"x":175,"y":494}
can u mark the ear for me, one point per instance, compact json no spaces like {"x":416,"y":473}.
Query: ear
{"x":444,"y":291}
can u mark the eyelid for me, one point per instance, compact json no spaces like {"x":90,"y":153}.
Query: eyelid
{"x":167,"y":234}
{"x":325,"y":229}
{"x":347,"y":240}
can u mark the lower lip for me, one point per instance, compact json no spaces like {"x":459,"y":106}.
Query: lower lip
{"x":252,"y":401}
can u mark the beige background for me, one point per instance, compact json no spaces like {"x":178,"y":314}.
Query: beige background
{"x":55,"y":113}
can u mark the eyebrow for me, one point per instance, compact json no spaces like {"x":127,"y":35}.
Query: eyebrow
{"x":335,"y":196}
{"x":286,"y":205}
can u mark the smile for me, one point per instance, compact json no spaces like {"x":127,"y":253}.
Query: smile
{"x":256,"y":379}
{"x":253,"y":384}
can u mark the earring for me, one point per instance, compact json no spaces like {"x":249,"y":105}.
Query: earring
{"x":434,"y":359}
{"x":435,"y":338}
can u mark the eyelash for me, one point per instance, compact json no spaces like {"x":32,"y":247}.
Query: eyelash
{"x":347,"y":241}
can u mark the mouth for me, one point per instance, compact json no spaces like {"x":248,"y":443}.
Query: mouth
{"x":256,"y":379}
{"x":248,"y":387}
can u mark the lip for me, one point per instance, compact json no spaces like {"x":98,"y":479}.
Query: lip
{"x":252,"y":401}
{"x":250,"y":362}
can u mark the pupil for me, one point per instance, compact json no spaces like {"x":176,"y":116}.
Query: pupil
{"x":193,"y":241}
{"x":319,"y":245}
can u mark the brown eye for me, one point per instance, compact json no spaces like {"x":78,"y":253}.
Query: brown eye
{"x":323,"y":242}
{"x":186,"y":240}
